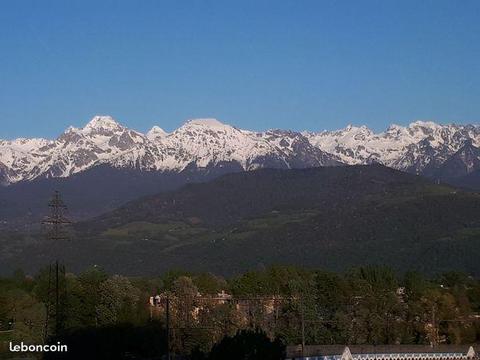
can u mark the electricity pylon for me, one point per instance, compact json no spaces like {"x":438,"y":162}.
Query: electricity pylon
{"x":55,"y":304}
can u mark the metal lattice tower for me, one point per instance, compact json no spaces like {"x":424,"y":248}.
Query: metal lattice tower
{"x":57,"y":219}
{"x":55,"y":307}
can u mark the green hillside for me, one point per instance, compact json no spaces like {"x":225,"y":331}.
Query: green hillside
{"x":333,"y":218}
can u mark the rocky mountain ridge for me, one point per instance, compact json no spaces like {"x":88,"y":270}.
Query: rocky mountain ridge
{"x":422,"y":148}
{"x":198,"y":143}
{"x":419,"y":148}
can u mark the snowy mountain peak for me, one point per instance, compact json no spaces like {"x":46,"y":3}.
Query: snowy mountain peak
{"x":102,"y":123}
{"x":156,"y":133}
{"x":361,"y":129}
{"x":423,"y":123}
{"x":421,"y":128}
{"x":207,"y":122}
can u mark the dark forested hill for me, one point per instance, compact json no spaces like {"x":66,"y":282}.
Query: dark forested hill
{"x":324,"y":217}
{"x":234,"y":197}
{"x":91,"y":192}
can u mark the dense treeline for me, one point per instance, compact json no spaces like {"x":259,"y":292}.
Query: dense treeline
{"x":266,"y":308}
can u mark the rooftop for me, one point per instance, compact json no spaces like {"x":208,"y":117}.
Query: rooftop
{"x":333,"y":350}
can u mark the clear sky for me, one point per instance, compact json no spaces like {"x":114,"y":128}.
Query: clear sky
{"x":256,"y":64}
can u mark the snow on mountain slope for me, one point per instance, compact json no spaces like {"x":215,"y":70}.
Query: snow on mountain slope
{"x":100,"y":141}
{"x":201,"y":142}
{"x":18,"y":157}
{"x":421,"y":147}
{"x":208,"y":141}
{"x":417,"y":148}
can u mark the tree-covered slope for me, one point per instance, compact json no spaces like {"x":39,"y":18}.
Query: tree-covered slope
{"x":326,"y":217}
{"x":234,"y":197}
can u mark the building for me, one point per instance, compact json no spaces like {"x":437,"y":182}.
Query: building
{"x":267,"y":303}
{"x":382,"y":352}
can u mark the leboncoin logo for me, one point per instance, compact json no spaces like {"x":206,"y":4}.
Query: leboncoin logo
{"x":58,"y":347}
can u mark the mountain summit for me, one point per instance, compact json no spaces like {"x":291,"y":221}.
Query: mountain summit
{"x":209,"y":122}
{"x":102,"y":122}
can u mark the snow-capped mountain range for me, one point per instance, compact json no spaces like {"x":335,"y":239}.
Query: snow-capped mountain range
{"x":200,"y":143}
{"x":421,"y":147}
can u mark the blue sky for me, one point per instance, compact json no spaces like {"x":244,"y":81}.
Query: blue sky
{"x":256,"y":64}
